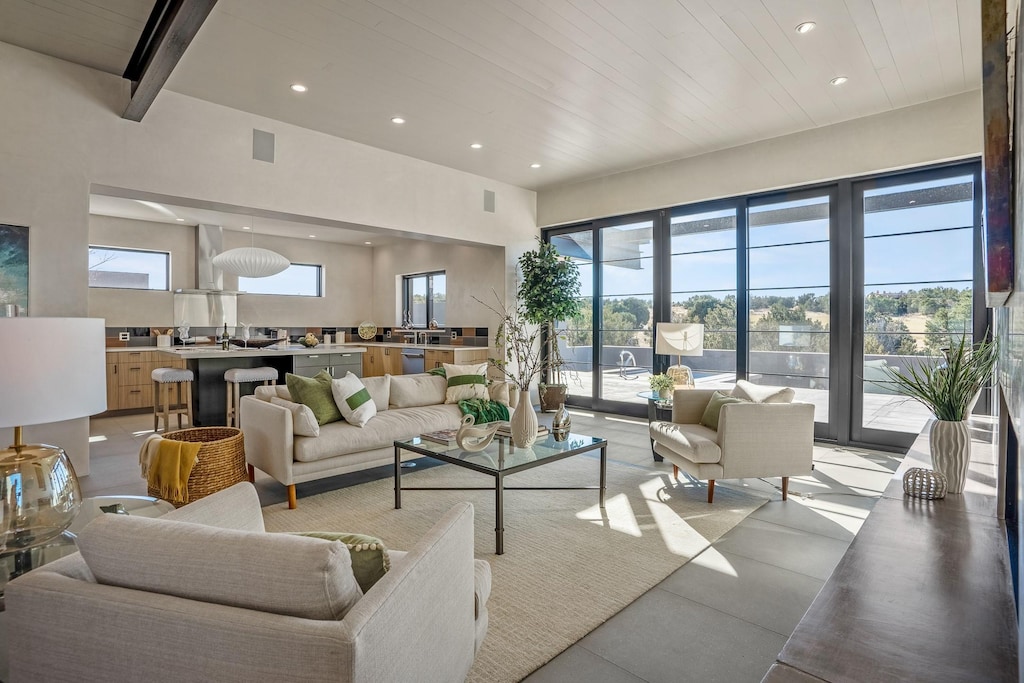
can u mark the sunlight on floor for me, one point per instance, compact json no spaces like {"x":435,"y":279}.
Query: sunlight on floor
{"x":97,"y":438}
{"x":682,"y":540}
{"x":617,"y":516}
{"x":716,"y":561}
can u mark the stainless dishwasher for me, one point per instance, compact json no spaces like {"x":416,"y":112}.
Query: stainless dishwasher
{"x":412,"y":361}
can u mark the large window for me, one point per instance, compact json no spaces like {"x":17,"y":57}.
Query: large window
{"x":298,"y":279}
{"x":818,"y":288}
{"x":129,"y":268}
{"x":423,"y":298}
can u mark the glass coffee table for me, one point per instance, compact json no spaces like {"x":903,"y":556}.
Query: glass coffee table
{"x":499,"y":460}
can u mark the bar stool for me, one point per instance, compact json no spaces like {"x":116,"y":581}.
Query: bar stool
{"x":165,"y":380}
{"x":233,"y":378}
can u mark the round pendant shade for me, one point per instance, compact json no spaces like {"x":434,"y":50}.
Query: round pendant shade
{"x":251,"y":262}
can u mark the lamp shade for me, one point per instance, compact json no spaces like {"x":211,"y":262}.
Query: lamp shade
{"x":52,"y":369}
{"x":251,"y":262}
{"x":680,"y":339}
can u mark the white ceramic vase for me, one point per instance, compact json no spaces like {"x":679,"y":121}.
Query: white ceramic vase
{"x":523,"y":424}
{"x":950,"y":444}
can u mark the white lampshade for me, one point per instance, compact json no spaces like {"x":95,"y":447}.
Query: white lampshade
{"x":680,"y":339}
{"x":51,"y":369}
{"x":251,"y":262}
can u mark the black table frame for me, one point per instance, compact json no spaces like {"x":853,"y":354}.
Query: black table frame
{"x":499,"y":477}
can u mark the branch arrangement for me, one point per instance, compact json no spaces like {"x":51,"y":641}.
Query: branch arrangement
{"x":520,"y":342}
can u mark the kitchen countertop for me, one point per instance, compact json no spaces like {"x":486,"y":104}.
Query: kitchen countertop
{"x":213,"y":351}
{"x":436,"y":347}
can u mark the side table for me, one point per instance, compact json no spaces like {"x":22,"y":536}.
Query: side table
{"x":658,"y":408}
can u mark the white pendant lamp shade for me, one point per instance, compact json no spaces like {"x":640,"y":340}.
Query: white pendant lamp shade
{"x":251,"y":262}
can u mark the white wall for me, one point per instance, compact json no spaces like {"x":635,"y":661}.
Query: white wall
{"x":927,"y":133}
{"x":62,"y":133}
{"x":470,"y":271}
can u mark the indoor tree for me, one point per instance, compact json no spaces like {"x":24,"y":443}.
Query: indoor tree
{"x":549,"y":291}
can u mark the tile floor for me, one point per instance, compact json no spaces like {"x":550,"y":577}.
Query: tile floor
{"x":722,"y":617}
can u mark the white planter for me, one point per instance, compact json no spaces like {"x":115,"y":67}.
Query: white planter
{"x":523,"y":423}
{"x":950,"y":444}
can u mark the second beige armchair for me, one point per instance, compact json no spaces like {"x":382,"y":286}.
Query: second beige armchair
{"x":766,"y":435}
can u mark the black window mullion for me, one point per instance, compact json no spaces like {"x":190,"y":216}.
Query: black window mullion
{"x":742,"y":295}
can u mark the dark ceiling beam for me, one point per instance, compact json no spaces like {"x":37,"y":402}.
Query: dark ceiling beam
{"x":169,"y":31}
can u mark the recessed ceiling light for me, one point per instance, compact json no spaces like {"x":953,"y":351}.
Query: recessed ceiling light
{"x":476,"y":145}
{"x":246,"y":227}
{"x":312,"y":237}
{"x":397,"y":119}
{"x":298,"y":87}
{"x":839,"y":80}
{"x":367,"y":242}
{"x":534,"y":165}
{"x":912,"y":201}
{"x":180,"y":220}
{"x":805,"y":27}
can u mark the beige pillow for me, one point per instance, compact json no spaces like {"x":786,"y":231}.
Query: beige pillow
{"x":292,"y":575}
{"x":380,"y":390}
{"x":412,"y":391}
{"x":267,"y":392}
{"x":499,"y":391}
{"x":465,"y":382}
{"x":757,"y":393}
{"x":303,"y":421}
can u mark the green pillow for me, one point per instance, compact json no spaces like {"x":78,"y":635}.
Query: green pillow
{"x":370,"y":559}
{"x":315,"y":393}
{"x":711,"y":413}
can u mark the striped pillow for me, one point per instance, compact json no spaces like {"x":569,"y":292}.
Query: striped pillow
{"x":353,"y":399}
{"x":465,"y":381}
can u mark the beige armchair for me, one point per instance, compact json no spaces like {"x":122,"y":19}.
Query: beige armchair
{"x":769,"y":436}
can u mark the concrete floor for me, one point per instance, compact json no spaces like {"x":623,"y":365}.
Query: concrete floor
{"x":722,"y":617}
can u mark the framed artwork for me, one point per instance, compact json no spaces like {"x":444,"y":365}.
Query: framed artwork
{"x":14,"y":266}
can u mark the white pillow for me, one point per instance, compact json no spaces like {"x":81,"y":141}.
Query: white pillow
{"x":501,"y":392}
{"x":758,"y":393}
{"x":303,"y":421}
{"x":353,"y":399}
{"x":465,"y":381}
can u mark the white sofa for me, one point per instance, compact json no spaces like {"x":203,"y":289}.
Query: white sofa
{"x":407,"y":405}
{"x":768,"y":435}
{"x":422,"y":621}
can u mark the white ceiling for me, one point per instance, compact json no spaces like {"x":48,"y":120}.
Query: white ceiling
{"x":165,"y":212}
{"x":583,"y":87}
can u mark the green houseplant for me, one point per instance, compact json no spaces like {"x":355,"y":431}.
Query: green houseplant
{"x":663,"y":384}
{"x":949,"y":387}
{"x":549,"y":292}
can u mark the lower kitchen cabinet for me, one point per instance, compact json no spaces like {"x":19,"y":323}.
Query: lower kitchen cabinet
{"x":382,"y":360}
{"x":436,"y":358}
{"x":336,"y":364}
{"x":130,"y":377}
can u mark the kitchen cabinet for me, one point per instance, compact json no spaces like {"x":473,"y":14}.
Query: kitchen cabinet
{"x":130,"y":380}
{"x":336,"y":364}
{"x":436,"y":358}
{"x":382,"y":360}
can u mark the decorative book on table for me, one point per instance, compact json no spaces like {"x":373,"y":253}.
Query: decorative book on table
{"x":506,"y":430}
{"x":445,"y":436}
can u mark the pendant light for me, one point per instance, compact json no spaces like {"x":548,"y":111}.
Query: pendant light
{"x":251,"y":261}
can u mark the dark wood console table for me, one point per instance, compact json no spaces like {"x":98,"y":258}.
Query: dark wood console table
{"x":924,"y":592}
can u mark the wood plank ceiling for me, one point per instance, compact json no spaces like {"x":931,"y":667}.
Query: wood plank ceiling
{"x":583,"y":87}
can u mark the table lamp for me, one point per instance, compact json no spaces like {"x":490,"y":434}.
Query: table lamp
{"x":53,"y":369}
{"x":680,"y":339}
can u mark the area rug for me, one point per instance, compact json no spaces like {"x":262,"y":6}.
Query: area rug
{"x":568,"y":566}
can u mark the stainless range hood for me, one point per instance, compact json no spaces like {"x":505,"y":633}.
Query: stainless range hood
{"x":209,"y":304}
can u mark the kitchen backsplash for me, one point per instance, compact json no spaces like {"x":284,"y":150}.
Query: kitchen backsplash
{"x":146,"y":336}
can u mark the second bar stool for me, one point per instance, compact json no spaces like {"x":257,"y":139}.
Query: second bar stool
{"x":164,"y":381}
{"x":233,"y":378}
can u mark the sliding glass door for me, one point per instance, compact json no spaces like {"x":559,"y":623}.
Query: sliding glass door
{"x":576,"y":336}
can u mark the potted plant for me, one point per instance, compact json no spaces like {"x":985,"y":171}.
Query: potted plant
{"x":950,"y":388}
{"x":663,"y":384}
{"x":549,"y":292}
{"x":521,"y":364}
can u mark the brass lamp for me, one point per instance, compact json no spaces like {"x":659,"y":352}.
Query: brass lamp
{"x":680,"y":339}
{"x":53,"y":369}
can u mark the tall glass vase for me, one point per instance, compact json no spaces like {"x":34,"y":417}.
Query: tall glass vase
{"x":523,"y":424}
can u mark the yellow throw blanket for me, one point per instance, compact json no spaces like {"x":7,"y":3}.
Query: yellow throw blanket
{"x":168,"y":473}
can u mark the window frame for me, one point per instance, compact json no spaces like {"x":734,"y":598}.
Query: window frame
{"x":407,"y":284}
{"x":136,"y":250}
{"x":319,"y":282}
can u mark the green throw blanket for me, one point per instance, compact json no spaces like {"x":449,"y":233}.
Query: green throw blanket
{"x":437,"y":371}
{"x":484,"y":410}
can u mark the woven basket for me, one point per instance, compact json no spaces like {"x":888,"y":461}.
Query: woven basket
{"x":221,"y":461}
{"x":927,"y":484}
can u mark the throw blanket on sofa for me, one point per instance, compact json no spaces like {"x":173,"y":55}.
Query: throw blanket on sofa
{"x":484,"y":410}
